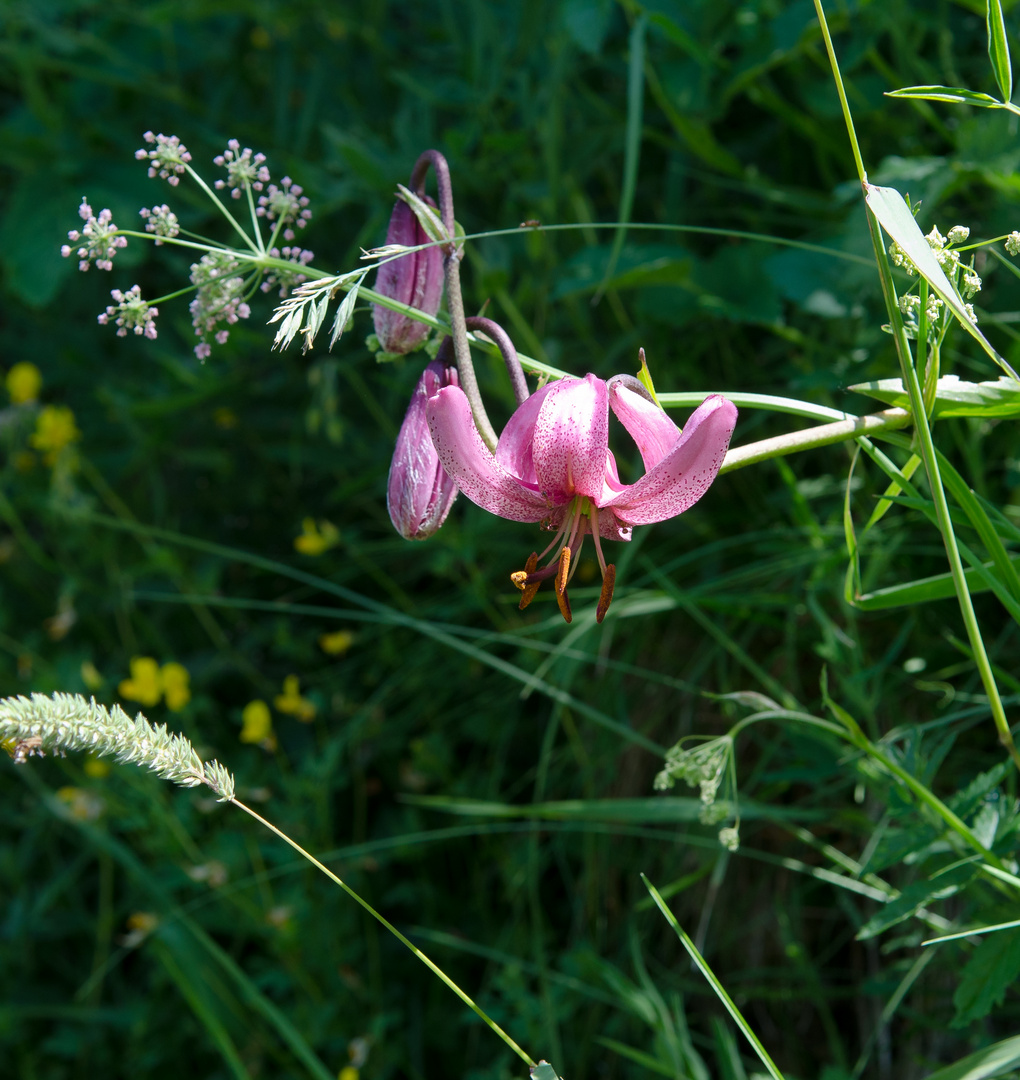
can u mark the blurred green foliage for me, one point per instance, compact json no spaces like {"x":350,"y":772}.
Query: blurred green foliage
{"x":145,"y":931}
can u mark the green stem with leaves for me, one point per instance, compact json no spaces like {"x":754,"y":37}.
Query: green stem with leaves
{"x":922,"y":429}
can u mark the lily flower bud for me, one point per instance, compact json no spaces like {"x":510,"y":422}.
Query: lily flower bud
{"x":420,"y":492}
{"x":415,"y":279}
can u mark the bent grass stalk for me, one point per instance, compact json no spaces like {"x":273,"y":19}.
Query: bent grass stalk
{"x":40,"y":725}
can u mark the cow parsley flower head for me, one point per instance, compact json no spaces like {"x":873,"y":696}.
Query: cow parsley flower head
{"x":160,"y":220}
{"x":244,"y":169}
{"x":98,"y":239}
{"x":131,"y":312}
{"x":287,"y":204}
{"x":1013,"y":243}
{"x":287,"y":279}
{"x":220,"y":299}
{"x":168,"y":160}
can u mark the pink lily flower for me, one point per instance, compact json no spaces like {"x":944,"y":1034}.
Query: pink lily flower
{"x":553,"y":464}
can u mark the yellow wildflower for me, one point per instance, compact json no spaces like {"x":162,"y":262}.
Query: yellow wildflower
{"x":140,"y":925}
{"x":54,"y":429}
{"x":96,"y":768}
{"x":291,"y":701}
{"x":312,"y":541}
{"x":23,"y":381}
{"x":348,"y":1072}
{"x":145,"y":685}
{"x":176,"y":686}
{"x":257,"y":722}
{"x":224,"y":418}
{"x":90,"y":675}
{"x":337,"y":643}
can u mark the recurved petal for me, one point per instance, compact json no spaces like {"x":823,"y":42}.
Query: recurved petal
{"x":571,"y":439}
{"x":648,"y":425}
{"x":514,"y":449}
{"x":685,"y":473}
{"x":472,"y":467}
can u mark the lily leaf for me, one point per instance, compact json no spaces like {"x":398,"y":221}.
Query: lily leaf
{"x":953,"y":396}
{"x":888,"y":205}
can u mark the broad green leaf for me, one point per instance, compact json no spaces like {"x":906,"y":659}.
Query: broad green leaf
{"x":955,"y":94}
{"x":994,"y":1060}
{"x":998,"y":49}
{"x":953,"y":397}
{"x":888,"y":205}
{"x":993,"y":966}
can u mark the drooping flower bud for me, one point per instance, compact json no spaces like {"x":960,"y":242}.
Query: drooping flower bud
{"x":415,"y":279}
{"x":419,"y":492}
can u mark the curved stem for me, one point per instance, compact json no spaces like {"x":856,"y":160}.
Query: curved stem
{"x":506,"y":347}
{"x":392,"y":929}
{"x":454,"y":299}
{"x":823,"y":435}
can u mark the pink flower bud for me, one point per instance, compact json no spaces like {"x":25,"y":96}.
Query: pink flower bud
{"x":419,"y":492}
{"x":415,"y":279}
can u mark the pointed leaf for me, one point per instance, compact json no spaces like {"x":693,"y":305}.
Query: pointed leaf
{"x":998,"y":49}
{"x":344,"y":312}
{"x":428,"y":217}
{"x":955,"y":94}
{"x":994,"y":1060}
{"x":888,"y":206}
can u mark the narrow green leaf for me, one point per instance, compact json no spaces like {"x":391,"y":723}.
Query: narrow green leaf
{"x":1001,"y":1057}
{"x":955,"y":94}
{"x":632,"y":141}
{"x":639,"y":1057}
{"x":998,"y":49}
{"x":888,"y":205}
{"x":344,"y":312}
{"x":428,"y":216}
{"x":717,"y":986}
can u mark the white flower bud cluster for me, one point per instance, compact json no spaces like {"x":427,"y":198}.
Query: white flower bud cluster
{"x":160,"y":220}
{"x":287,"y":279}
{"x":1013,"y":243}
{"x":98,"y":239}
{"x":131,"y":312}
{"x":220,"y":299}
{"x":701,"y":767}
{"x":168,"y":160}
{"x":286,"y":204}
{"x":899,"y":258}
{"x":244,"y":170}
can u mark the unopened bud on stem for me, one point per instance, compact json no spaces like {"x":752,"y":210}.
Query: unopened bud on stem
{"x":415,"y":279}
{"x":419,"y":492}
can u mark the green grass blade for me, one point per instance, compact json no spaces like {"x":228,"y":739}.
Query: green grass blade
{"x":954,"y":94}
{"x":995,"y":1060}
{"x":717,"y":986}
{"x":998,"y":49}
{"x":632,"y":141}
